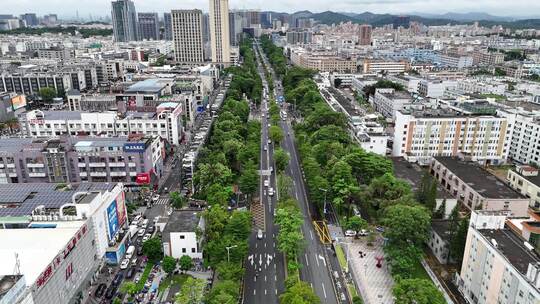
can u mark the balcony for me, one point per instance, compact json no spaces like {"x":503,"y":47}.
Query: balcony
{"x":2,"y":166}
{"x":38,"y":165}
{"x":12,"y":174}
{"x":81,"y":165}
{"x":37,"y":174}
{"x":120,"y":173}
{"x":97,"y":165}
{"x":83,"y":174}
{"x":132,"y":165}
{"x":10,"y":165}
{"x":98,"y":174}
{"x":117,"y":164}
{"x":132,"y":173}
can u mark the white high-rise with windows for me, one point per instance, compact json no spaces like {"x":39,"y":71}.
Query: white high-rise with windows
{"x":187,"y":36}
{"x":219,"y":31}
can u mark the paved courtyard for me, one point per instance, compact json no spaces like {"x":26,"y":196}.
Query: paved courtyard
{"x":375,"y":283}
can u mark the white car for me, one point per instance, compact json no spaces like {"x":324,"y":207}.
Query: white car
{"x":141,"y":232}
{"x":350,"y":233}
{"x":155,"y":197}
{"x":260,"y":234}
{"x":271,"y":191}
{"x":266,"y":183}
{"x":125,"y":264}
{"x":146,"y":237}
{"x":363,"y":232}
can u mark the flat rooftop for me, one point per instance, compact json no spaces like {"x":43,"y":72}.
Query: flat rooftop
{"x":509,"y":245}
{"x":36,"y":247}
{"x":412,"y":173}
{"x":442,"y":228}
{"x":181,"y":221}
{"x":483,"y":182}
{"x":147,"y":86}
{"x":21,"y":199}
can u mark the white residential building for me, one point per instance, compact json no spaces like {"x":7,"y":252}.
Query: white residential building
{"x":498,"y":266}
{"x":389,"y":101}
{"x":526,"y":181}
{"x":219,"y":31}
{"x":456,"y":61}
{"x":370,"y":66}
{"x":165,"y":122}
{"x":180,"y":236}
{"x":479,"y":86}
{"x":434,"y":88}
{"x":525,"y":133}
{"x":421,"y":135}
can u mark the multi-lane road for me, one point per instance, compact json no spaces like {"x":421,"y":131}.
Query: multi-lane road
{"x":265,"y":266}
{"x":264,"y":279}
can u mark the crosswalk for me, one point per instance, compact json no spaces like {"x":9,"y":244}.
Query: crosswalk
{"x":162,"y":201}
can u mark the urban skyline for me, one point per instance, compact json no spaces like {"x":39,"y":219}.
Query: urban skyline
{"x":520,"y":9}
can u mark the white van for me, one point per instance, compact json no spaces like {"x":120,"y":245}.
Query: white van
{"x":129,"y":252}
{"x":144,"y":224}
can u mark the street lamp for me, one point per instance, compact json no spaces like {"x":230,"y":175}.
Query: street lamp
{"x":324,"y":190}
{"x":228,"y":255}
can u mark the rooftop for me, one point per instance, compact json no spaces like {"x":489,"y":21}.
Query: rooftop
{"x":412,"y":173}
{"x":181,"y":221}
{"x":486,"y":184}
{"x":22,"y":199}
{"x":442,"y":228}
{"x":512,"y":247}
{"x":154,"y":85}
{"x":36,"y":248}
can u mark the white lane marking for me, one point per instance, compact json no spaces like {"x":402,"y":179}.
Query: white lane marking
{"x":265,"y":278}
{"x":255,"y":245}
{"x":265,"y":291}
{"x":324,"y":290}
{"x":264,"y":245}
{"x":276,"y":291}
{"x":275,"y":277}
{"x":296,"y":195}
{"x":260,"y":259}
{"x":317,"y":260}
{"x":255,"y":279}
{"x":307,"y":261}
{"x":254,"y":291}
{"x":250,"y":258}
{"x":323,"y":259}
{"x":311,"y":285}
{"x":311,"y":234}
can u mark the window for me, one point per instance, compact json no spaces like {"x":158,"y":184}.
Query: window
{"x":182,"y":237}
{"x":192,"y":250}
{"x":183,"y":250}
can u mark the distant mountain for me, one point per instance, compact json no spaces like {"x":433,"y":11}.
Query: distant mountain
{"x":472,"y":16}
{"x":330,"y":17}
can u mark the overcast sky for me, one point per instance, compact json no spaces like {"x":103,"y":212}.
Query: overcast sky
{"x":102,"y":7}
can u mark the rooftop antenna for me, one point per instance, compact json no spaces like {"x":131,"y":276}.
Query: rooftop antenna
{"x":17,"y":270}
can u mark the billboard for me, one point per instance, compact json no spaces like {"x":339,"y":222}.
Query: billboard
{"x":135,"y":147}
{"x":143,"y":178}
{"x":112,"y":220}
{"x":114,"y":257}
{"x":18,"y":102}
{"x":121,"y":208}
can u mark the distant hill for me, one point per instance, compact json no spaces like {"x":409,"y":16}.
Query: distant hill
{"x":330,"y":17}
{"x":472,"y":16}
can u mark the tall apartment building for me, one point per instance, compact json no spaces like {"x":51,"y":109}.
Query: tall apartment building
{"x":524,"y":146}
{"x":167,"y":24}
{"x":364,"y":37}
{"x":148,"y":26}
{"x":500,"y":265}
{"x":235,"y":28}
{"x":187,"y":36}
{"x":124,"y":20}
{"x":299,"y":37}
{"x":219,"y":31}
{"x":30,"y":19}
{"x":421,"y":135}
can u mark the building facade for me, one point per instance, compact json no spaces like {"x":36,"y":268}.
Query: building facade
{"x":389,"y":101}
{"x":187,"y":36}
{"x":219,"y":31}
{"x":421,"y":135}
{"x":167,"y":24}
{"x":148,"y":26}
{"x":124,"y":20}
{"x":364,"y":37}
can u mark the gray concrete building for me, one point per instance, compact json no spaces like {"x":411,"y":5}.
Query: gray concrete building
{"x":148,"y":26}
{"x":124,"y":20}
{"x":187,"y":36}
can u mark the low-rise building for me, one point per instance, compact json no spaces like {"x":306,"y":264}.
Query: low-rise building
{"x":75,"y":159}
{"x":389,"y":101}
{"x":164,"y":122}
{"x":526,"y":181}
{"x":323,"y":62}
{"x":373,"y":66}
{"x":434,"y":88}
{"x":439,"y":240}
{"x":456,"y":61}
{"x":475,"y":188}
{"x":182,"y":236}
